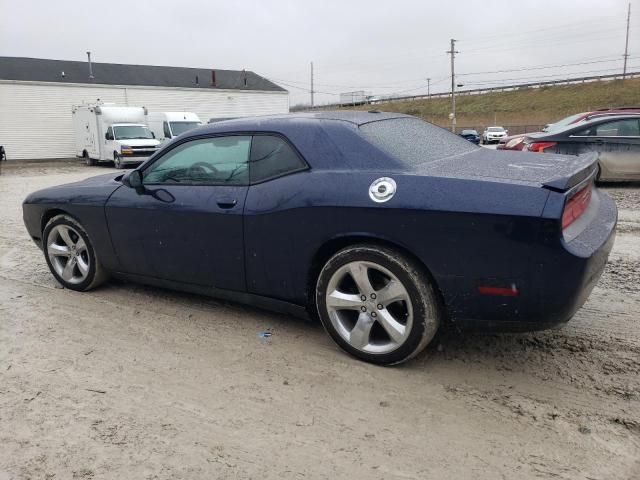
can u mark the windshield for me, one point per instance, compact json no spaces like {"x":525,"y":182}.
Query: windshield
{"x":414,"y":141}
{"x":130,"y":132}
{"x":469,"y":132}
{"x":554,"y":127}
{"x":178,"y":128}
{"x":496,"y":129}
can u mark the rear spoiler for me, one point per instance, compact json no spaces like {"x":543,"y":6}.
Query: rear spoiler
{"x":583,"y":167}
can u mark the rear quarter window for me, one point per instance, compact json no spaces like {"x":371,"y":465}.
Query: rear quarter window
{"x":272,"y":157}
{"x":414,"y":141}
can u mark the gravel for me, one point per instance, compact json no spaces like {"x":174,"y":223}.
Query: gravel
{"x":136,"y":382}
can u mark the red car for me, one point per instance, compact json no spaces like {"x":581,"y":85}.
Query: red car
{"x":516,"y":142}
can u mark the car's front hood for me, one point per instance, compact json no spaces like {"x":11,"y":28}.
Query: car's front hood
{"x":551,"y":170}
{"x":90,"y":190}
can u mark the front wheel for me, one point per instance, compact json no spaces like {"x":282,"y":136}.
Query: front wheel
{"x":70,"y":254}
{"x":377,"y":304}
{"x":117,"y":161}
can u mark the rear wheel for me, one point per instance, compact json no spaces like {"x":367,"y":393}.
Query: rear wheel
{"x":88,"y":160}
{"x":70,"y":254}
{"x":377,"y":304}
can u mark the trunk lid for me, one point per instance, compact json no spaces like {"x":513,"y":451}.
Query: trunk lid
{"x":553,"y":171}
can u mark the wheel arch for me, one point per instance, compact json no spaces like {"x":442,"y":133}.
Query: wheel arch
{"x":333,"y":245}
{"x":49,"y":214}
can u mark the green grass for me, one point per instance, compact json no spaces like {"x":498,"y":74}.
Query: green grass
{"x":532,"y":106}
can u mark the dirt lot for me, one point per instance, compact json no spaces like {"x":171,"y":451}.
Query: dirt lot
{"x":136,"y":382}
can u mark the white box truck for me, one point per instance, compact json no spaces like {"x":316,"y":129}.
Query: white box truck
{"x":167,"y":125}
{"x":106,"y":132}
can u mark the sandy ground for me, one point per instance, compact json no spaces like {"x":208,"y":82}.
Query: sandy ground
{"x":136,"y":382}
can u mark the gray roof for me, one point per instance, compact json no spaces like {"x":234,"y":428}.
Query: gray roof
{"x":43,"y":70}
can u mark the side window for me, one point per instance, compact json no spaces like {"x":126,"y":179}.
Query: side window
{"x":271,"y":157}
{"x":208,"y":161}
{"x":165,"y":130}
{"x":618,"y":128}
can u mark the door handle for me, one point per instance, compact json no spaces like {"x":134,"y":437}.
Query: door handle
{"x":227,"y":203}
{"x":599,"y":142}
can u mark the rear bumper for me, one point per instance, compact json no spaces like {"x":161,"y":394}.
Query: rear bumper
{"x":560,"y":282}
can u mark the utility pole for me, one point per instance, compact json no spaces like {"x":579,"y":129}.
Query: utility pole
{"x":428,"y":88}
{"x":626,"y":43}
{"x":311,"y":84}
{"x":452,"y":115}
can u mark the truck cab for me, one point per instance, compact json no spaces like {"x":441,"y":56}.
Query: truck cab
{"x":130,"y":143}
{"x":168,"y":125}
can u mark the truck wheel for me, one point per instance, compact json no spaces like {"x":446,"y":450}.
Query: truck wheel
{"x":91,"y":162}
{"x":116,"y":161}
{"x":376,"y":304}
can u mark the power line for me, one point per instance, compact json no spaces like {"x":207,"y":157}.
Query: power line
{"x":540,"y":67}
{"x":564,"y":26}
{"x":533,"y":79}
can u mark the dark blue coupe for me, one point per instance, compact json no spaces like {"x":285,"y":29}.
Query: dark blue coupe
{"x":384,"y":226}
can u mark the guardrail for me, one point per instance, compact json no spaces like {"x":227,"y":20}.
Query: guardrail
{"x":480,"y":91}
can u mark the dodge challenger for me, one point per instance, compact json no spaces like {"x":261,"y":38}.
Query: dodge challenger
{"x":383,"y":226}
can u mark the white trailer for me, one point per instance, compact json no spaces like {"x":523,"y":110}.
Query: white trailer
{"x":167,"y":125}
{"x":353,"y":98}
{"x":106,"y":132}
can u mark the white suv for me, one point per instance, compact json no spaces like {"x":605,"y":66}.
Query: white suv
{"x":493,"y":134}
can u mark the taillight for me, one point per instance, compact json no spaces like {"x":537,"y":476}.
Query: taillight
{"x":540,"y":147}
{"x":515,"y":144}
{"x":576,"y":205}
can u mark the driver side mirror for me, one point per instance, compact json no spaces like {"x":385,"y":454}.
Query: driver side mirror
{"x":133,"y":179}
{"x":108,"y":136}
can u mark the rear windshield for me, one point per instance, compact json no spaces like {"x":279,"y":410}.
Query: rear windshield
{"x":414,"y":141}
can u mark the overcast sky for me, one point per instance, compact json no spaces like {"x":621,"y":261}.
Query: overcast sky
{"x":381,"y":47}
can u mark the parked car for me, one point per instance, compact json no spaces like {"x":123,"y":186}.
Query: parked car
{"x":106,"y":132}
{"x":168,"y":125}
{"x":381,"y":225}
{"x":515,"y":142}
{"x":471,"y":135}
{"x":615,"y":139}
{"x":493,"y":134}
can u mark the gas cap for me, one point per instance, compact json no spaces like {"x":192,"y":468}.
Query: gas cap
{"x":382,"y":190}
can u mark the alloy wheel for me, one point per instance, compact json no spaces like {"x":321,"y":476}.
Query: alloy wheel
{"x":369,"y":307}
{"x":68,"y":254}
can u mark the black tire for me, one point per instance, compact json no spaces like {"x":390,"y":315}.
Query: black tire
{"x":96,"y":274}
{"x":117,"y":161}
{"x":417,"y":284}
{"x":91,"y":162}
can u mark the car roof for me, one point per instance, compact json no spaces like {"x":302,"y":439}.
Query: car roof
{"x":264,"y":122}
{"x":586,"y":124}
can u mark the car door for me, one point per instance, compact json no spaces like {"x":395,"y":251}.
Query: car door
{"x":618,"y":145}
{"x":109,"y":140}
{"x":185,"y":224}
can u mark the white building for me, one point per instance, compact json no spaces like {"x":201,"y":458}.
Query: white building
{"x":36,"y":96}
